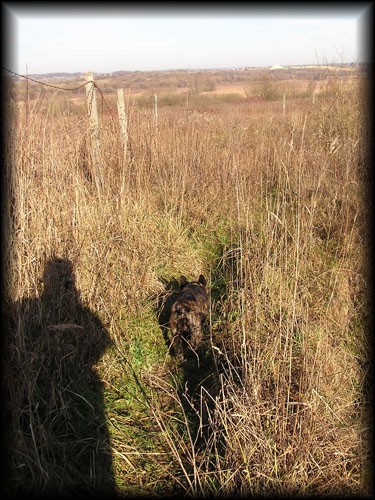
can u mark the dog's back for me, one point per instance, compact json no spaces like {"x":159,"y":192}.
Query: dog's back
{"x":189,"y":312}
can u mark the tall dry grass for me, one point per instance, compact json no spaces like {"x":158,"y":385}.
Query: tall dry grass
{"x":272,"y":209}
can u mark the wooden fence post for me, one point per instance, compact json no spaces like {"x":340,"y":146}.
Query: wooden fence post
{"x":94,"y":128}
{"x":123,"y":120}
{"x":284,"y":104}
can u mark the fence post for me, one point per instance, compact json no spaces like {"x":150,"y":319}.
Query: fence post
{"x":155,"y":110}
{"x":284,"y":104}
{"x":123,"y":120}
{"x":92,"y":109}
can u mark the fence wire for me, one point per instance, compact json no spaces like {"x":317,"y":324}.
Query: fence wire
{"x":69,"y":89}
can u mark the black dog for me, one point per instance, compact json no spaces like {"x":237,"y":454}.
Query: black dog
{"x":188,"y":314}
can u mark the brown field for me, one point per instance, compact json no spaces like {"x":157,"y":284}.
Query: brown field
{"x":270,"y":206}
{"x":294,"y":85}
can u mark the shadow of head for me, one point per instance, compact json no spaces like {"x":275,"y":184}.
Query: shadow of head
{"x":64,"y":315}
{"x":60,"y":297}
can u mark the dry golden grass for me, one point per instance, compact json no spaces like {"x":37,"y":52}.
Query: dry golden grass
{"x":272,"y":210}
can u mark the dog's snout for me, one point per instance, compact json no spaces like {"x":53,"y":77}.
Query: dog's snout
{"x":182,"y":310}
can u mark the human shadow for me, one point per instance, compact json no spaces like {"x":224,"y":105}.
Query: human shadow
{"x":57,"y":439}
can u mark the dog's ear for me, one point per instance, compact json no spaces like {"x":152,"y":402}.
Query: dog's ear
{"x":202,"y":280}
{"x":183,"y":282}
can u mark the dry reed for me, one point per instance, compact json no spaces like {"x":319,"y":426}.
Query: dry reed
{"x":273,"y":209}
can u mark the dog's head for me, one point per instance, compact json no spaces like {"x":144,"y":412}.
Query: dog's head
{"x":201,"y":282}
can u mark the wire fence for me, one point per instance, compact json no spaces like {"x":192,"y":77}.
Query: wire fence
{"x":58,"y":87}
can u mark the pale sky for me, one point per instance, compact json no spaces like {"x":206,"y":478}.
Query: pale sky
{"x":63,"y":39}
